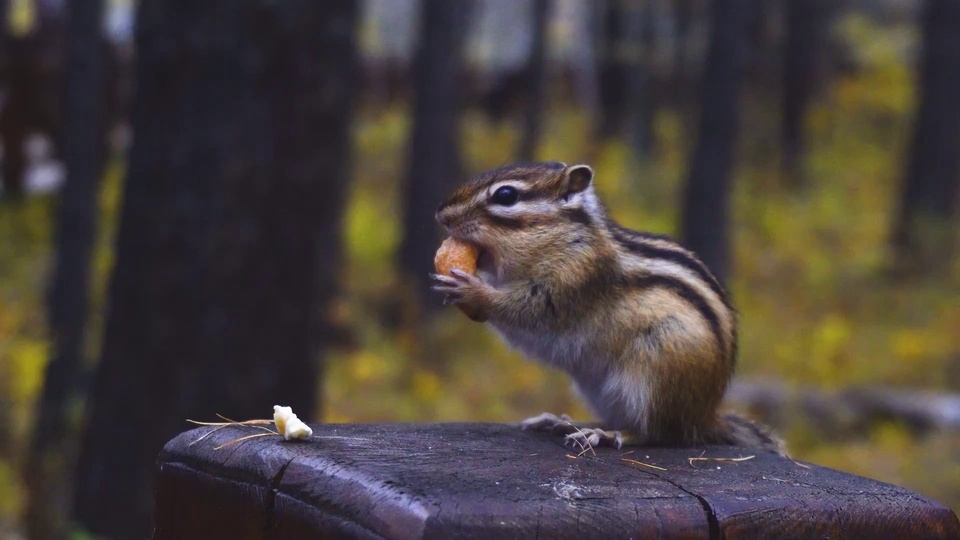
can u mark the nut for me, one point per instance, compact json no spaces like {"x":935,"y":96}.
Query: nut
{"x":463,"y":256}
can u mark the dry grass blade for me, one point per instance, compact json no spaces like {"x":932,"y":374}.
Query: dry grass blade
{"x":258,"y":424}
{"x":209,"y":423}
{"x":635,"y":462}
{"x":207,"y":434}
{"x":584,"y":448}
{"x":254,"y":436}
{"x":723,"y":459}
{"x":589,"y":448}
{"x":232,"y":422}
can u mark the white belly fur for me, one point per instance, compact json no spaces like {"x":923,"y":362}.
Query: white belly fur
{"x":620,"y":398}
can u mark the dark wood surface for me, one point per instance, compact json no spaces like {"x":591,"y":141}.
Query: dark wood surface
{"x":496,"y":481}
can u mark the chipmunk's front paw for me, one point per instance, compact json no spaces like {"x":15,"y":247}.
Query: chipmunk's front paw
{"x":462,"y":288}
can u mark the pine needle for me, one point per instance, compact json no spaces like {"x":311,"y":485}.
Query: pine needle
{"x":584,"y":448}
{"x":232,"y":422}
{"x":635,"y":462}
{"x":207,"y":434}
{"x":722,"y":459}
{"x":258,"y":424}
{"x":254,"y":436}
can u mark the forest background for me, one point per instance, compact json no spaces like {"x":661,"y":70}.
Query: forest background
{"x":209,"y":207}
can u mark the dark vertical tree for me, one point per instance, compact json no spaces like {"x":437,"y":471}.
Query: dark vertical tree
{"x":4,"y":13}
{"x":537,"y":80}
{"x":624,"y":72}
{"x":705,"y":214}
{"x":803,"y":68}
{"x":924,"y":232}
{"x":434,"y":167}
{"x":683,"y":14}
{"x":4,"y":83}
{"x":642,"y":134}
{"x":613,"y":66}
{"x":229,"y":241}
{"x":33,"y":75}
{"x":51,"y":464}
{"x":6,"y":436}
{"x":14,"y":113}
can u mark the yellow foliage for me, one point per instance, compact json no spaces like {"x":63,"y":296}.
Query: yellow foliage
{"x":10,"y":501}
{"x":828,"y":346}
{"x":28,"y":359}
{"x":426,"y":386}
{"x":22,"y":17}
{"x":885,"y":86}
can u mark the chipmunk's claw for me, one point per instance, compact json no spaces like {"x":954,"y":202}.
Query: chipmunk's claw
{"x":460,"y":287}
{"x":594,"y":437}
{"x":448,"y":286}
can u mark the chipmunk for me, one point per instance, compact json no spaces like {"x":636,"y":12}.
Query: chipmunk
{"x":640,"y":324}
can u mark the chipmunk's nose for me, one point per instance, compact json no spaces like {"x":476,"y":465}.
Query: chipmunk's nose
{"x":443,"y":215}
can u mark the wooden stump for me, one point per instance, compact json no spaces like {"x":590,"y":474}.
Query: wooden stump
{"x":496,"y":481}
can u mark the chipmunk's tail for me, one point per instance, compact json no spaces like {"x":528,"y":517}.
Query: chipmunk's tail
{"x":736,"y":430}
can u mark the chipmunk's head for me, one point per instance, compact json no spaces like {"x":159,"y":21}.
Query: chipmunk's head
{"x":518,"y":213}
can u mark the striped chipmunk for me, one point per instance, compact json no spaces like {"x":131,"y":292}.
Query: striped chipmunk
{"x":639,"y":323}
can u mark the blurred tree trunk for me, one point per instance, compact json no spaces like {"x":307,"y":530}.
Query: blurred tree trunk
{"x":13,"y":114}
{"x":925,"y":231}
{"x":625,"y":73}
{"x":51,"y":460}
{"x":6,"y":438}
{"x":537,"y":81}
{"x":706,"y":204}
{"x":4,"y":13}
{"x":680,"y":95}
{"x":435,"y":168}
{"x":35,"y":67}
{"x":613,"y":67}
{"x":229,"y":242}
{"x":642,"y":134}
{"x":803,"y":67}
{"x":683,"y":16}
{"x":5,"y":88}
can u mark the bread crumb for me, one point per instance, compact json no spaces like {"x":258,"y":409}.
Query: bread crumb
{"x":289,"y":425}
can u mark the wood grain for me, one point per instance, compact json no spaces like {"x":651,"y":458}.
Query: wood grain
{"x":495,"y":481}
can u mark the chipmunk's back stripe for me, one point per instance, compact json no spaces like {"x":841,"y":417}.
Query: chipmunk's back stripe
{"x":635,"y":245}
{"x":690,"y":295}
{"x":624,"y":233}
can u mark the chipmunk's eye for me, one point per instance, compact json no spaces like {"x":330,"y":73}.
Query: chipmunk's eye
{"x":506,"y":196}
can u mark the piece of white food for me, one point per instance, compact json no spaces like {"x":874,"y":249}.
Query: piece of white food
{"x":289,"y":425}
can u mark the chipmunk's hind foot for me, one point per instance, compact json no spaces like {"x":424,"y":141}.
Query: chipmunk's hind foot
{"x":574,"y":435}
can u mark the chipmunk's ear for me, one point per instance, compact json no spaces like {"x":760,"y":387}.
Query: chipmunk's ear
{"x":577,"y":178}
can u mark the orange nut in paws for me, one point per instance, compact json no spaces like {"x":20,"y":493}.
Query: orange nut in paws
{"x":462,"y":256}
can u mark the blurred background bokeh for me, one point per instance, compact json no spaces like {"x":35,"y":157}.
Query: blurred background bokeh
{"x":214,"y":206}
